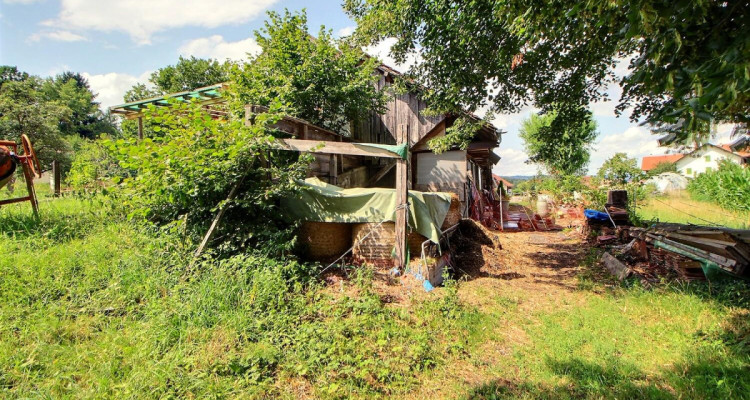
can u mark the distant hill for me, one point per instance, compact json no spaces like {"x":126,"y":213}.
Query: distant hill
{"x":517,"y":178}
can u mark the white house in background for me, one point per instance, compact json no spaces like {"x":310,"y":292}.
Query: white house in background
{"x":707,"y":157}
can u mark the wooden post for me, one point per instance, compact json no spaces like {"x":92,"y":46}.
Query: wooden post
{"x":333,"y":169}
{"x":140,"y":127}
{"x":402,"y":198}
{"x":54,"y":179}
{"x":30,"y":187}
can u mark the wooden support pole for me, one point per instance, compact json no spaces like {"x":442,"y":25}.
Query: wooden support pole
{"x":333,"y":169}
{"x":140,"y":128}
{"x":402,"y":199}
{"x":54,"y":179}
{"x":30,"y":187}
{"x":217,"y":218}
{"x":380,"y":174}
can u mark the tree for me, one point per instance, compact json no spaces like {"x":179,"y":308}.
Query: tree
{"x":663,"y":167}
{"x":565,"y":152}
{"x":73,"y":90}
{"x":620,"y":169}
{"x":689,"y":59}
{"x":24,"y":109}
{"x":326,"y":81}
{"x":10,"y":73}
{"x":188,"y":74}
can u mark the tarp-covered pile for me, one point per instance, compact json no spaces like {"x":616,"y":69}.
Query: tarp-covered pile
{"x":323,"y":202}
{"x":715,"y":249}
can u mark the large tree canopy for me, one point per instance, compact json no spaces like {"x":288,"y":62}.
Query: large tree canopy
{"x":188,"y":74}
{"x":24,"y":109}
{"x":690,"y":60}
{"x":86,"y":119}
{"x":326,"y":81}
{"x":560,"y":152}
{"x":620,"y":169}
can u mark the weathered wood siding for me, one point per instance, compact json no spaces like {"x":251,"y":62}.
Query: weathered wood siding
{"x":401,"y":109}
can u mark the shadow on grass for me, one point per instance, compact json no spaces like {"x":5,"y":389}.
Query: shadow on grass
{"x":59,"y":219}
{"x":701,"y":377}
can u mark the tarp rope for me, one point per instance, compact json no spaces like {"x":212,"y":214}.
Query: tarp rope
{"x":363,"y":237}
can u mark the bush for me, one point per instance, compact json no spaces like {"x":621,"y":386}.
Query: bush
{"x":728,"y":186}
{"x":180,"y":178}
{"x":92,"y":167}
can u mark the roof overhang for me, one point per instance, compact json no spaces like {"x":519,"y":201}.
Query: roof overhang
{"x":208,"y":96}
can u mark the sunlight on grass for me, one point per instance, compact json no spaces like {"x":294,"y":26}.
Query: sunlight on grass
{"x":93,"y":306}
{"x":680,"y":208}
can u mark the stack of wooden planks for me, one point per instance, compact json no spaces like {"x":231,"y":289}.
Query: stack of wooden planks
{"x":685,"y":268}
{"x":729,"y":249}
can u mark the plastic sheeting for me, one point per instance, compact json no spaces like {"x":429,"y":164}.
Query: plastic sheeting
{"x":323,"y":202}
{"x":669,"y":181}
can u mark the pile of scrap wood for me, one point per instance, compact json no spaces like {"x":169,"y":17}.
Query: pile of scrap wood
{"x":689,"y":250}
{"x":520,"y":218}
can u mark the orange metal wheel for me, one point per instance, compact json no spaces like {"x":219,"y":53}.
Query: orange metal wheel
{"x":33,"y":161}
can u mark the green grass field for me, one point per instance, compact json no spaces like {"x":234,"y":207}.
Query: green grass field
{"x":92,"y":306}
{"x":679,"y":207}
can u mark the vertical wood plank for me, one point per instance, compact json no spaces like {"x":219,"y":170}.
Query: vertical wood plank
{"x":333,"y":169}
{"x":402,"y":196}
{"x":140,"y":127}
{"x":54,"y":179}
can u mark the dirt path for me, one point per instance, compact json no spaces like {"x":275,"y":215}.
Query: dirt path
{"x":532,"y":261}
{"x":533,"y":273}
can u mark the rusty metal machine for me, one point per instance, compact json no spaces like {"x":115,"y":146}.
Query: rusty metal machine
{"x":10,"y":160}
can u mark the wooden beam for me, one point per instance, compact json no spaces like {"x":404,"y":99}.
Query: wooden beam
{"x":140,"y":127}
{"x":380,"y":174}
{"x":16,"y":200}
{"x":615,"y":267}
{"x":402,"y":199}
{"x":328,"y":147}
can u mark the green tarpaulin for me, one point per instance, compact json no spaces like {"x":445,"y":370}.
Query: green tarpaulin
{"x":322,"y":202}
{"x":400,"y":149}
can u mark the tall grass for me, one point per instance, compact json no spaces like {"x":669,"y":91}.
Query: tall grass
{"x":680,"y":207}
{"x":93,"y":306}
{"x":728,"y":186}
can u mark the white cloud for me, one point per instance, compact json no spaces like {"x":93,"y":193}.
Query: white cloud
{"x":723,"y":134}
{"x":216,"y":47}
{"x":346,"y":31}
{"x":513,"y":162}
{"x":112,"y":86}
{"x":382,"y":52}
{"x":58,"y":36}
{"x":141,"y":19}
{"x":636,"y":142}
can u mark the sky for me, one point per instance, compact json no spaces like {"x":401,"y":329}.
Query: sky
{"x":117,"y":44}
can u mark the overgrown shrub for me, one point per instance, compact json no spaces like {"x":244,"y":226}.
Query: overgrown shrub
{"x":727,"y":186}
{"x":181,"y":178}
{"x":93,"y":167}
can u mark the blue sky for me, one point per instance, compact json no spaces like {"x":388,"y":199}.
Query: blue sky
{"x":119,"y":43}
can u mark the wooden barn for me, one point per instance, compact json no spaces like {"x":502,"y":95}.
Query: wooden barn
{"x":388,"y":150}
